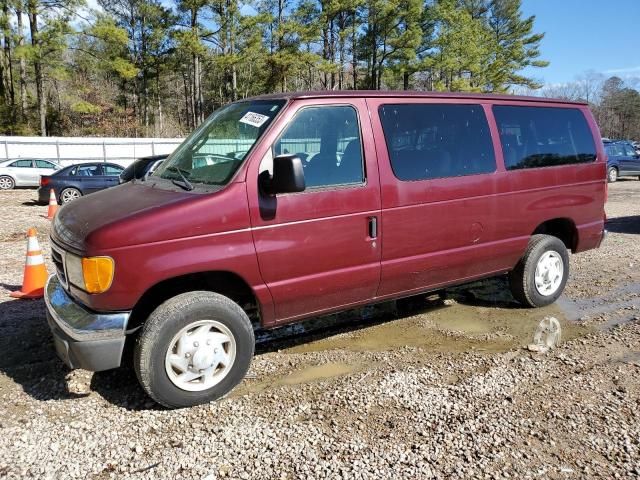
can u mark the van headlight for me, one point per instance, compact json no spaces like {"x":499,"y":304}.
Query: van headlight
{"x":92,"y":274}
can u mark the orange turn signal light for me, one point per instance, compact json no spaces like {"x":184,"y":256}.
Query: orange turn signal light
{"x":97,"y":273}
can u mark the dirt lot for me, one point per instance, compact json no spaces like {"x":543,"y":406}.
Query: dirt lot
{"x":423,"y":389}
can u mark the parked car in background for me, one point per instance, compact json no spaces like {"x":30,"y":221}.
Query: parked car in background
{"x":141,"y":167}
{"x":623,"y":160}
{"x":25,"y":172}
{"x":75,"y":181}
{"x":337,"y":200}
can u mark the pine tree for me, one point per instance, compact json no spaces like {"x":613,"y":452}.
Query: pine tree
{"x":514,"y":46}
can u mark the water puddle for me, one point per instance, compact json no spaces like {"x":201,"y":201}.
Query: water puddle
{"x":480,"y":317}
{"x":626,"y":297}
{"x":454,"y":328}
{"x":314,"y":373}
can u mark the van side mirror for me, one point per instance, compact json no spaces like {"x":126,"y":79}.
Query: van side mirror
{"x":288,"y":176}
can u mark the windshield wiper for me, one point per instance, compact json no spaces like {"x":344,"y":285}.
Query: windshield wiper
{"x":187,"y":184}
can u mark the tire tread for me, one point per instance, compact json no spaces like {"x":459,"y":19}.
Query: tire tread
{"x":519,"y":276}
{"x":151,"y":331}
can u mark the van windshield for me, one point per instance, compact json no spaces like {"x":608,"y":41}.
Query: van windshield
{"x":217,"y":148}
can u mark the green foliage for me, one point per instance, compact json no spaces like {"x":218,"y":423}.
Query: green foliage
{"x":82,"y":106}
{"x":157,"y":67}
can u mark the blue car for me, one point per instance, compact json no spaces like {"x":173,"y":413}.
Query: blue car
{"x":75,"y":181}
{"x":623,"y":160}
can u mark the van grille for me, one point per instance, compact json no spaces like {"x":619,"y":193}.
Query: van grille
{"x":58,"y":260}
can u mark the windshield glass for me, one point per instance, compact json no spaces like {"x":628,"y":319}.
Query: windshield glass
{"x":216,"y":149}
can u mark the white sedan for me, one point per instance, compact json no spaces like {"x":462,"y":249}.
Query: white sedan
{"x":24,"y":172}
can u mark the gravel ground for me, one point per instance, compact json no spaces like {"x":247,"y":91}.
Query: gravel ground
{"x":419,"y":389}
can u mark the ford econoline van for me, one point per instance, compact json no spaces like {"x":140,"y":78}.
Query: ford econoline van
{"x":288,"y":206}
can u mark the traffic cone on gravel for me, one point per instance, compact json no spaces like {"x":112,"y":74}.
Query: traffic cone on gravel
{"x":35,"y":271}
{"x":53,"y":204}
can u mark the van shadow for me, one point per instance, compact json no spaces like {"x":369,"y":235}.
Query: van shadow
{"x":29,"y":357}
{"x":630,"y":224}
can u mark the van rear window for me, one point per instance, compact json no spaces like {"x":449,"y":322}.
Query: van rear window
{"x":535,"y":137}
{"x":437,"y":140}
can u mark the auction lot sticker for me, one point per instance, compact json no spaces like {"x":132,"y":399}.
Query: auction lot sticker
{"x":254,"y":119}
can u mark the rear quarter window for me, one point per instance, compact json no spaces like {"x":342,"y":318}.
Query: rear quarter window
{"x":427,"y":141}
{"x":534,"y":137}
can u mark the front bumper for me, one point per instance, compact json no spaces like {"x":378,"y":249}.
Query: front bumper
{"x":83,"y":338}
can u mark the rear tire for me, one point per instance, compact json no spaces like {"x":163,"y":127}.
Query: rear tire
{"x":69,"y":194}
{"x":7,"y":183}
{"x":612,"y":175}
{"x":541,"y":274}
{"x":194,"y":348}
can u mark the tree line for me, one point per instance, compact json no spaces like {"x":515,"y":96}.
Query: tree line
{"x":615,"y":102}
{"x":157,"y":68}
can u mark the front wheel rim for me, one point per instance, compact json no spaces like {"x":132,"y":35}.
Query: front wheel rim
{"x":549,"y":273}
{"x":5,"y":183}
{"x":200,"y":355}
{"x":69,"y":195}
{"x":613,"y":175}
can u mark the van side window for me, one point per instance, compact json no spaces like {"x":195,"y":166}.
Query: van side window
{"x":434,"y":140}
{"x":535,"y":137}
{"x":327,"y":140}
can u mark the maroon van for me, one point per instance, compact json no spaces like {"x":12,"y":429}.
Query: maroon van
{"x":288,"y":206}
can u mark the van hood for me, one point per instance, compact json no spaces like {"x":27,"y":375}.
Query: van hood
{"x":77,"y":222}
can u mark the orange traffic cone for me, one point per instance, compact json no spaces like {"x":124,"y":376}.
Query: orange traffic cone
{"x":35,"y":271}
{"x":53,"y":204}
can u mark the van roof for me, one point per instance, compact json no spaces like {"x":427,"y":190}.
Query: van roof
{"x":411,"y":94}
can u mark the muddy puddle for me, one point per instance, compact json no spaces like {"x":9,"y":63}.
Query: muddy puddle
{"x":450,"y":328}
{"x":623,"y":301}
{"x":480,"y":317}
{"x":314,"y":373}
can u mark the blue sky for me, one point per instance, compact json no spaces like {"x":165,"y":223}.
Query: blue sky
{"x":583,"y":35}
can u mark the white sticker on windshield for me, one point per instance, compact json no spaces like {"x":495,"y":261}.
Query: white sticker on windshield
{"x":254,"y":119}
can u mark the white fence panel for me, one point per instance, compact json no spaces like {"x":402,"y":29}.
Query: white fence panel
{"x":68,"y":150}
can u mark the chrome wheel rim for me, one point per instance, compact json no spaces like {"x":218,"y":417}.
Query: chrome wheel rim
{"x":613,"y":175}
{"x":69,"y":195}
{"x":549,"y":272}
{"x":6,"y":183}
{"x":200,"y":355}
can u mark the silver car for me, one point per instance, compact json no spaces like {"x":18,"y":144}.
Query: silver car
{"x":24,"y":172}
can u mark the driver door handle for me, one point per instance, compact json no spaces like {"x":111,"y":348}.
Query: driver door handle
{"x":373,"y":227}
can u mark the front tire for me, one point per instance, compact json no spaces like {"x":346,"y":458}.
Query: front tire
{"x":193,"y":349}
{"x":541,"y":274}
{"x":7,"y":183}
{"x":612,"y":175}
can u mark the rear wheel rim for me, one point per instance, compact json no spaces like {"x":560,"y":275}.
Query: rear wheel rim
{"x":6,"y":183}
{"x":69,"y":195}
{"x":613,"y":175}
{"x":549,"y":273}
{"x":200,"y":355}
